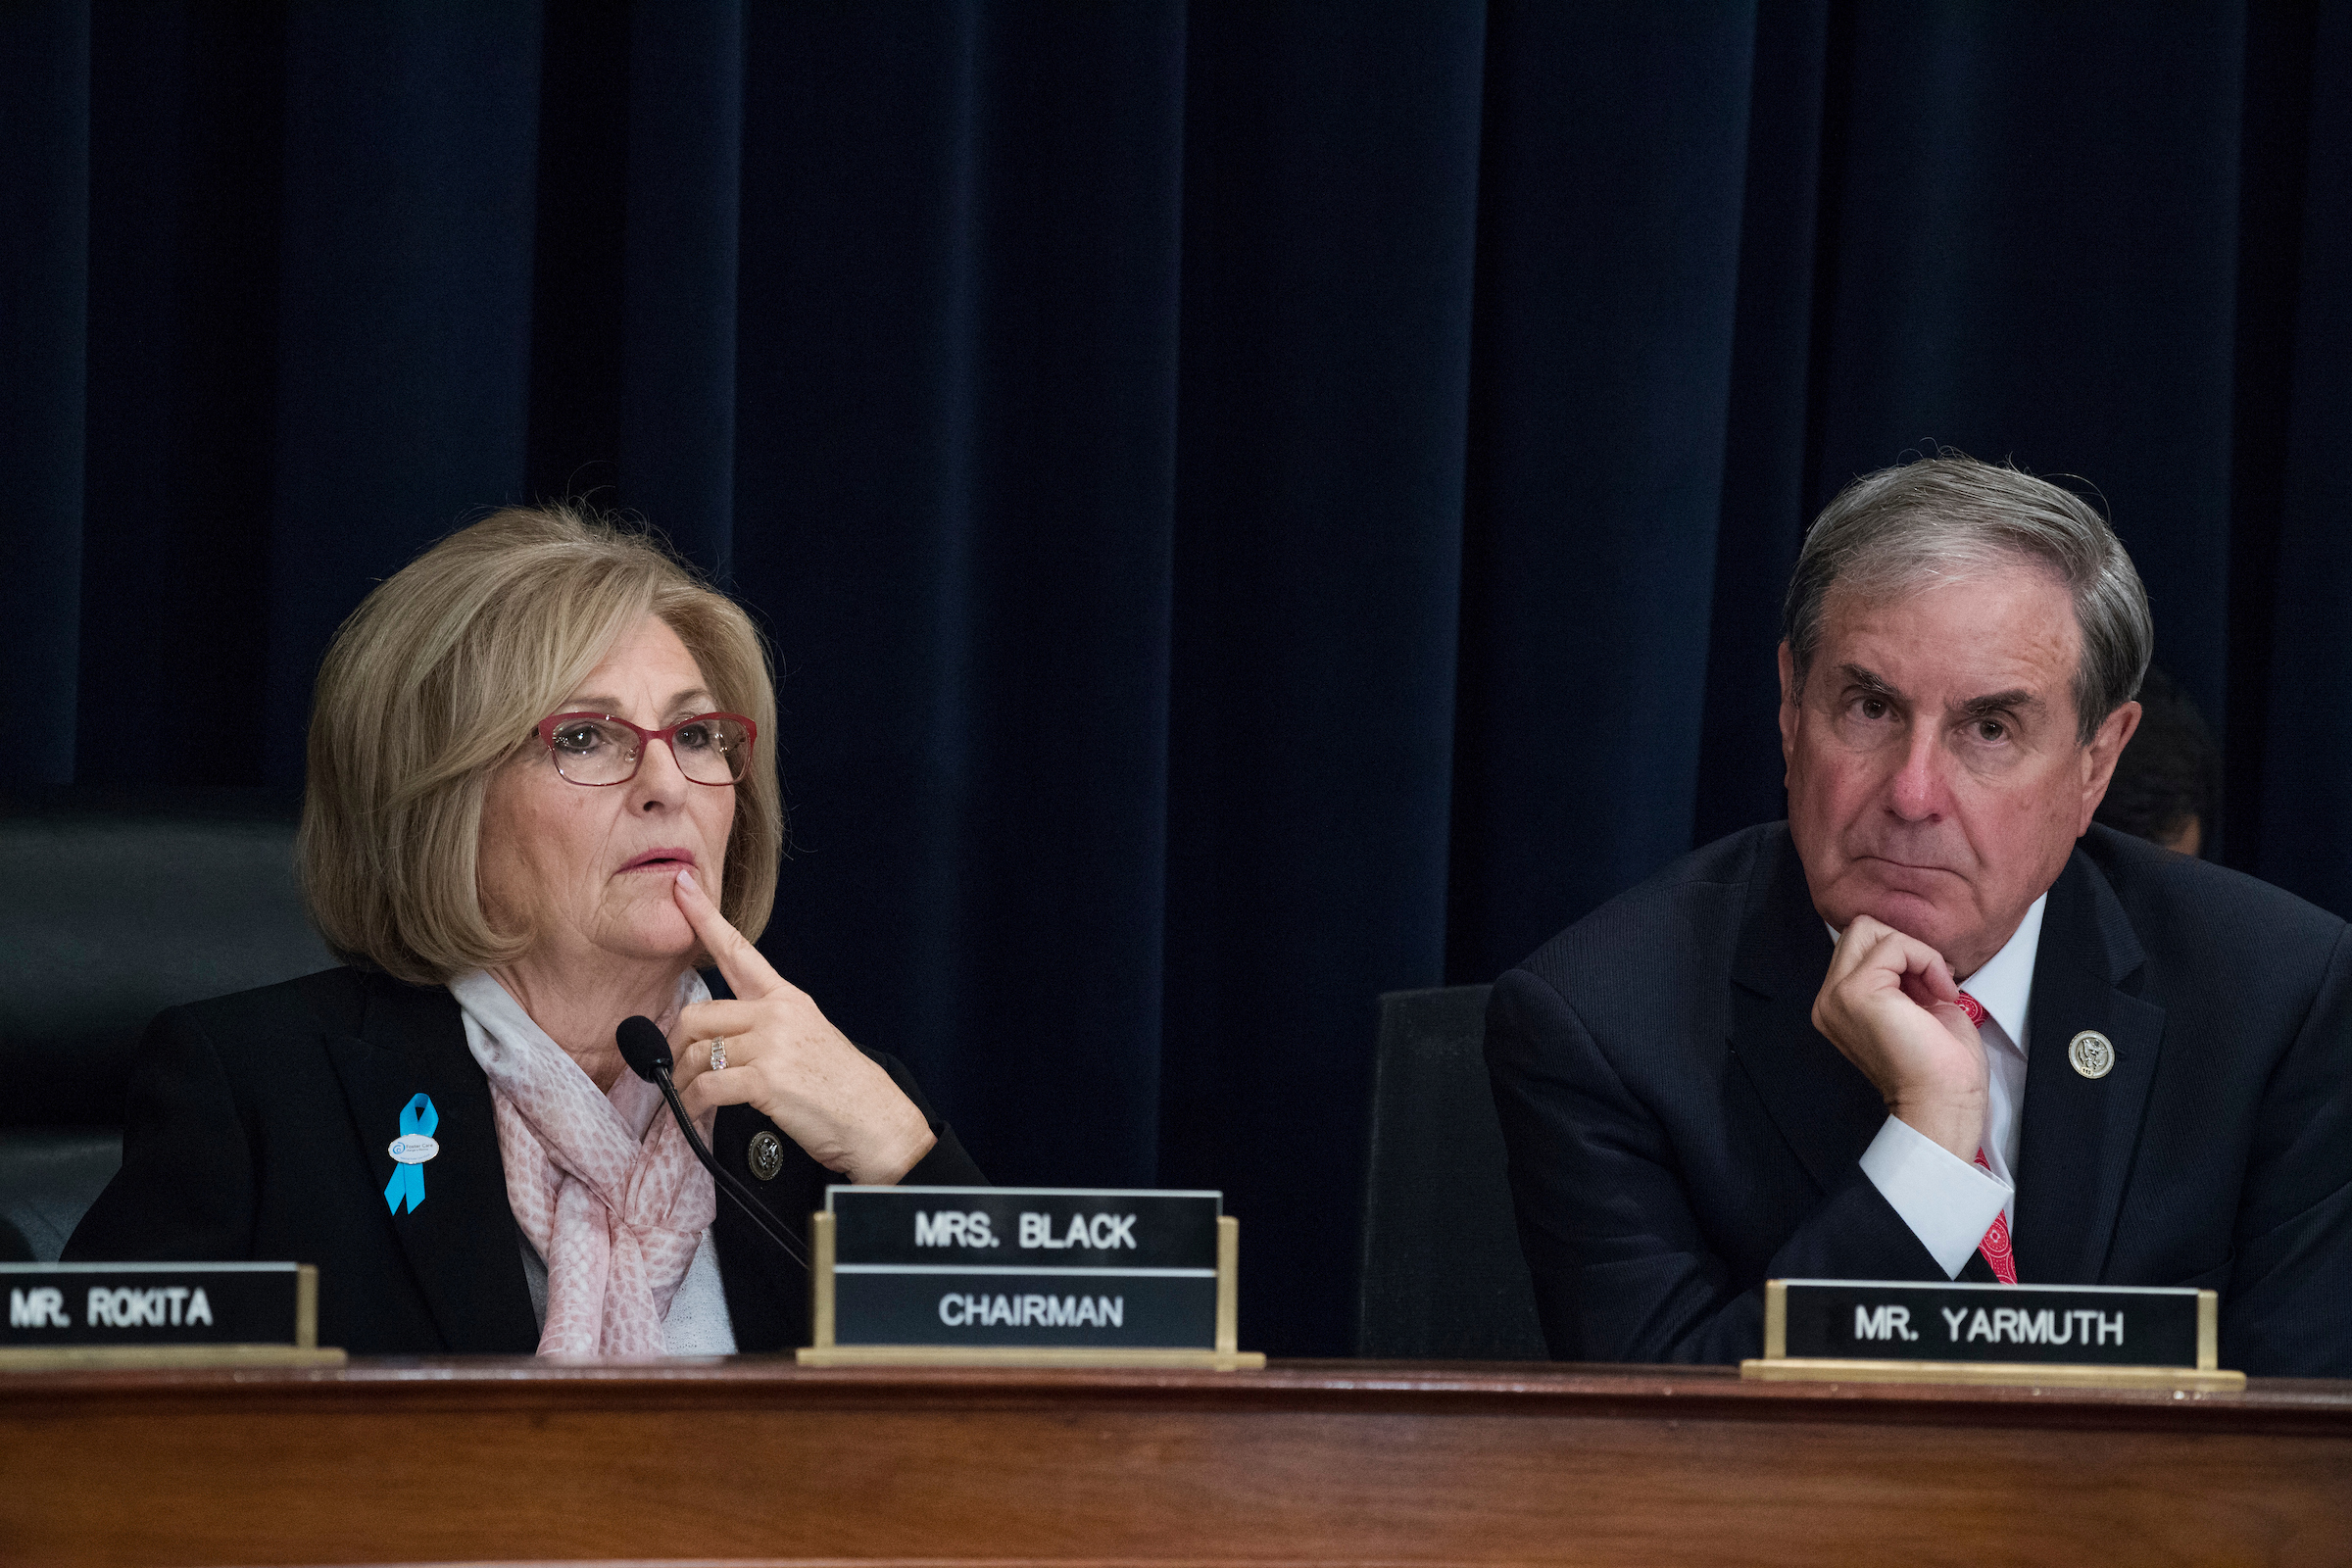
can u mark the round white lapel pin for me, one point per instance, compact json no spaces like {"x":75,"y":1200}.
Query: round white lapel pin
{"x":413,"y":1149}
{"x":2092,"y":1053}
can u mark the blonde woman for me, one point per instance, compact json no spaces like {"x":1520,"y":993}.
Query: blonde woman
{"x":542,"y":792}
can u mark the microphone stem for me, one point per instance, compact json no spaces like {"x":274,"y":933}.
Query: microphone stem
{"x":753,"y":1209}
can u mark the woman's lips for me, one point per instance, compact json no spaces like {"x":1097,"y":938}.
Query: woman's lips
{"x":662,"y":859}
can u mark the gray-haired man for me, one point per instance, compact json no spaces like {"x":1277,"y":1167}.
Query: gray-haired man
{"x":1936,"y":1024}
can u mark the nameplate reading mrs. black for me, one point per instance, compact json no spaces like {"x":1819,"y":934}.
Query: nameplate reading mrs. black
{"x":1025,"y":1266}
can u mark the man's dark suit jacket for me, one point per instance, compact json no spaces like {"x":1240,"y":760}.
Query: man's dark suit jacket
{"x":259,"y":1127}
{"x":1679,"y":1131}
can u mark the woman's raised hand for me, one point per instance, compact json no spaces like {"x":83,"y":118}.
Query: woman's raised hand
{"x":788,"y":1062}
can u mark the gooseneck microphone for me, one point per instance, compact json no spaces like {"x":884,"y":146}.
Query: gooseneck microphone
{"x":646,"y":1049}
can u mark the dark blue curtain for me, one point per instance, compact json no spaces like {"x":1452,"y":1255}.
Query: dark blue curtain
{"x":1257,"y":505}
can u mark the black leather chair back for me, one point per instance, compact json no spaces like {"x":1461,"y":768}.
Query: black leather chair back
{"x":112,"y":907}
{"x":1443,"y":1274}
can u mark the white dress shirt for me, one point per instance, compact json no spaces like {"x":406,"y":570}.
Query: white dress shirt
{"x":1949,"y":1202}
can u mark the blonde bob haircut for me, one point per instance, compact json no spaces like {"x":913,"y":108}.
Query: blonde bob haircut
{"x":437,"y":681}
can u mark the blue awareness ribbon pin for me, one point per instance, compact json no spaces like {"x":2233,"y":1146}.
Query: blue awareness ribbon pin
{"x":417,"y":1119}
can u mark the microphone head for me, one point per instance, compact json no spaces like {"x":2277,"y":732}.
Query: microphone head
{"x":643,"y":1046}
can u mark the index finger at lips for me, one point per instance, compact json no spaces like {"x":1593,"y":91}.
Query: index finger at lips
{"x":748,"y":975}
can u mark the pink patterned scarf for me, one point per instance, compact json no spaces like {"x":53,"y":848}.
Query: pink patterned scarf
{"x":603,"y":1185}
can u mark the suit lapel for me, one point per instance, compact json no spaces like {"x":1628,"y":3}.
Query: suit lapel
{"x":767,"y":1294}
{"x":1823,"y":1105}
{"x":460,"y":1243}
{"x":2076,"y":1147}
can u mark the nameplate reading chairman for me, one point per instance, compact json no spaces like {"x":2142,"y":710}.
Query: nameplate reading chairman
{"x":542,"y":791}
{"x":1937,"y":1025}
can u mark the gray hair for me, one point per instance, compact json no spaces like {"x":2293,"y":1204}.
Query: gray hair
{"x":1949,"y":517}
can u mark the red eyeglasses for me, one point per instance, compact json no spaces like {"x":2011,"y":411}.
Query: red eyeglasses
{"x":598,"y":748}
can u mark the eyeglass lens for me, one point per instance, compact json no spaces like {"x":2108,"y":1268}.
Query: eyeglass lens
{"x":710,"y":751}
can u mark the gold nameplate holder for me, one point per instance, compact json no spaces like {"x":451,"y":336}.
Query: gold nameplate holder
{"x":1891,"y":1330}
{"x":98,"y":1316}
{"x":1064,"y":1280}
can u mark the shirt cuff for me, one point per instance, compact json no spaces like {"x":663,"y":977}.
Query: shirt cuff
{"x":1949,"y":1202}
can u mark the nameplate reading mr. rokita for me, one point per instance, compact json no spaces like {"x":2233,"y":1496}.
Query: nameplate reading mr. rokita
{"x":148,"y":1315}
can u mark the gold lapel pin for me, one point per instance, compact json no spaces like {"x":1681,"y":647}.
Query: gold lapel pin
{"x":2092,"y":1053}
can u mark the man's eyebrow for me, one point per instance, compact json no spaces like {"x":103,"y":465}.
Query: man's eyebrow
{"x":2009,"y":702}
{"x":2015,"y":701}
{"x":1868,"y":680}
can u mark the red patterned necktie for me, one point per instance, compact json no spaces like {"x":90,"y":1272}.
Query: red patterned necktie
{"x":1996,"y":1245}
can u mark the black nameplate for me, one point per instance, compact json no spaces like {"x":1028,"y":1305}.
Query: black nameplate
{"x":52,"y":1306}
{"x":1025,"y":1266}
{"x":2083,"y":1325}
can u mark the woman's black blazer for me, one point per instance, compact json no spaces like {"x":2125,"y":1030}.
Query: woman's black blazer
{"x":259,"y":1127}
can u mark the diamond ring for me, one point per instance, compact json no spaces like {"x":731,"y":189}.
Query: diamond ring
{"x":718,"y":1052}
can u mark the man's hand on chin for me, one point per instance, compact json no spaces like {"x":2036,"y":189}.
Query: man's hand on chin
{"x":1890,"y":1005}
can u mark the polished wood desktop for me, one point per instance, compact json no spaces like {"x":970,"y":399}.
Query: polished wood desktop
{"x":755,"y":1459}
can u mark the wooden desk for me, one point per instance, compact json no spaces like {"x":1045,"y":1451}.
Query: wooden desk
{"x":1306,"y":1462}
